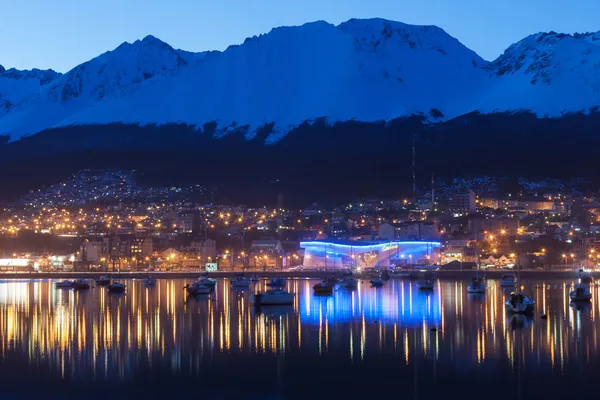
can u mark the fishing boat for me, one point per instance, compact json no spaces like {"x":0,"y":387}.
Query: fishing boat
{"x":274,"y":297}
{"x":324,"y":287}
{"x":150,"y":281}
{"x":81,"y":284}
{"x":64,"y":284}
{"x":116,"y":287}
{"x":240,"y":282}
{"x":103,"y":281}
{"x":197,"y":288}
{"x":377,"y":282}
{"x":276,"y":282}
{"x":428,"y":282}
{"x":581,"y":293}
{"x":508,"y":280}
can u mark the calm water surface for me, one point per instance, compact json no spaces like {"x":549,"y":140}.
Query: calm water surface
{"x":158,"y":343}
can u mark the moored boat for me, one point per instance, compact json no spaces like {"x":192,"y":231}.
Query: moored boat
{"x":377,"y":282}
{"x":150,"y":281}
{"x":581,"y":293}
{"x":81,"y":284}
{"x":428,"y":282}
{"x":116,"y":287}
{"x":197,"y":288}
{"x":64,"y":284}
{"x":103,"y":281}
{"x":240,"y":282}
{"x":255,"y":279}
{"x":508,"y":280}
{"x":520,"y":303}
{"x":585,"y":277}
{"x":211,"y":283}
{"x":276,"y":282}
{"x":324,"y":287}
{"x":477,"y":286}
{"x":350,"y":282}
{"x":275,"y":297}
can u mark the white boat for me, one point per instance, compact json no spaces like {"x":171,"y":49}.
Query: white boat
{"x":197,"y":288}
{"x":275,"y":297}
{"x":581,"y":293}
{"x":64,"y":284}
{"x":520,"y":303}
{"x":240,"y":282}
{"x":150,"y":281}
{"x":508,"y":280}
{"x":81,"y":284}
{"x":377,"y":282}
{"x":116,"y":287}
{"x":103,"y":281}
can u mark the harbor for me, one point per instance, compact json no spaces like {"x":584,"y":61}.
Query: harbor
{"x":89,"y":337}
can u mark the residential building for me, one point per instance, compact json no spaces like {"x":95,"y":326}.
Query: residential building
{"x":463,"y":202}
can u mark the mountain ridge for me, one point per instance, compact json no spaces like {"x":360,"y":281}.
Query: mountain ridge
{"x":362,"y":69}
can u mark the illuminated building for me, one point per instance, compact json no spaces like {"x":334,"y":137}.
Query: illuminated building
{"x":374,"y":254}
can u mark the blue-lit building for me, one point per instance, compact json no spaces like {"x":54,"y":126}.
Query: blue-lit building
{"x":373,"y":254}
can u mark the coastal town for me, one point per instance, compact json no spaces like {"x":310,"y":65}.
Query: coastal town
{"x":102,"y":221}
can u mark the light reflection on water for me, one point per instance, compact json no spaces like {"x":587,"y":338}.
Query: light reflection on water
{"x":94,"y":336}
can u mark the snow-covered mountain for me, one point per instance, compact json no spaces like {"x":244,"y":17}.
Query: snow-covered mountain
{"x":17,"y":85}
{"x":364,"y":70}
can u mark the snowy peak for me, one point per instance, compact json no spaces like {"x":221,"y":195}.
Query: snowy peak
{"x":547,"y":58}
{"x":115,"y":72}
{"x":17,"y":85}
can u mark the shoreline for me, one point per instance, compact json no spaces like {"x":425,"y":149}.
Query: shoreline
{"x":452,"y":274}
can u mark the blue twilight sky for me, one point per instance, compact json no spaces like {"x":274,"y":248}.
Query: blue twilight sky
{"x":60,"y":34}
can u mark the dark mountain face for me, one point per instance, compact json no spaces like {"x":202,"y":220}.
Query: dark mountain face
{"x":314,"y":162}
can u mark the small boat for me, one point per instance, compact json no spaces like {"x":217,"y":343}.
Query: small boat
{"x":477,"y":286}
{"x":103,"y":281}
{"x":585,"y":277}
{"x":81,"y":284}
{"x":64,"y":284}
{"x":274,"y":297}
{"x":255,"y":279}
{"x":324,"y":287}
{"x":520,"y":303}
{"x":211,"y":283}
{"x":428,"y":282}
{"x":508,"y":280}
{"x":116,"y":287}
{"x":377,"y":282}
{"x":401,"y":274}
{"x":240,"y":282}
{"x":581,"y":293}
{"x":197,"y":288}
{"x":276,"y":282}
{"x":150,"y":281}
